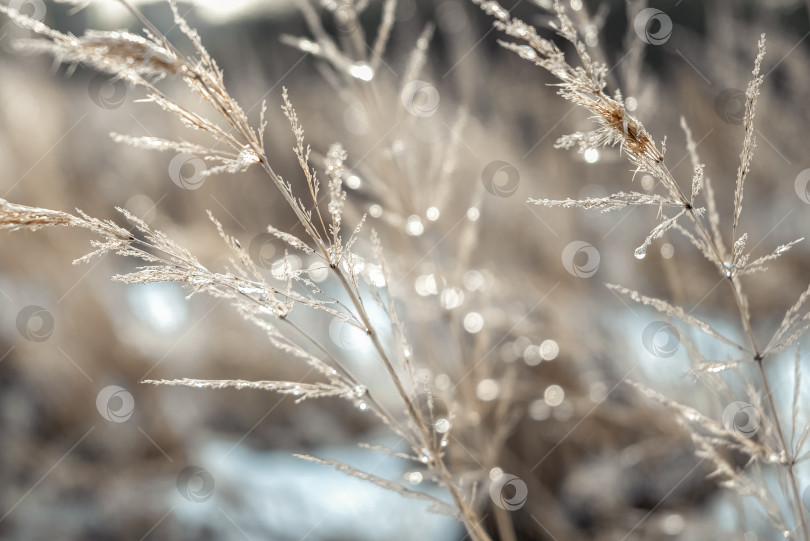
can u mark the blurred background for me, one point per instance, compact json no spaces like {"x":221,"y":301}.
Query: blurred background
{"x":88,"y":452}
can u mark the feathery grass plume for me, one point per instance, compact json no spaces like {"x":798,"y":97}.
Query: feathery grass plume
{"x":260,"y":302}
{"x":585,"y":85}
{"x":16,"y":217}
{"x":616,"y":201}
{"x":796,"y":322}
{"x":256,"y":301}
{"x":675,"y":312}
{"x":302,"y":391}
{"x":123,"y":54}
{"x":391,"y":172}
{"x":582,"y":85}
{"x":715,"y":443}
{"x":143,"y":61}
{"x":708,"y":428}
{"x":749,"y":142}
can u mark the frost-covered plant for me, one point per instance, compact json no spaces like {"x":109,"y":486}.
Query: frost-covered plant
{"x":144,"y":60}
{"x":460,"y":447}
{"x":585,"y":85}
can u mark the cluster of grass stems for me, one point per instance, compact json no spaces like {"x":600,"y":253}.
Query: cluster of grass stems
{"x":238,"y":144}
